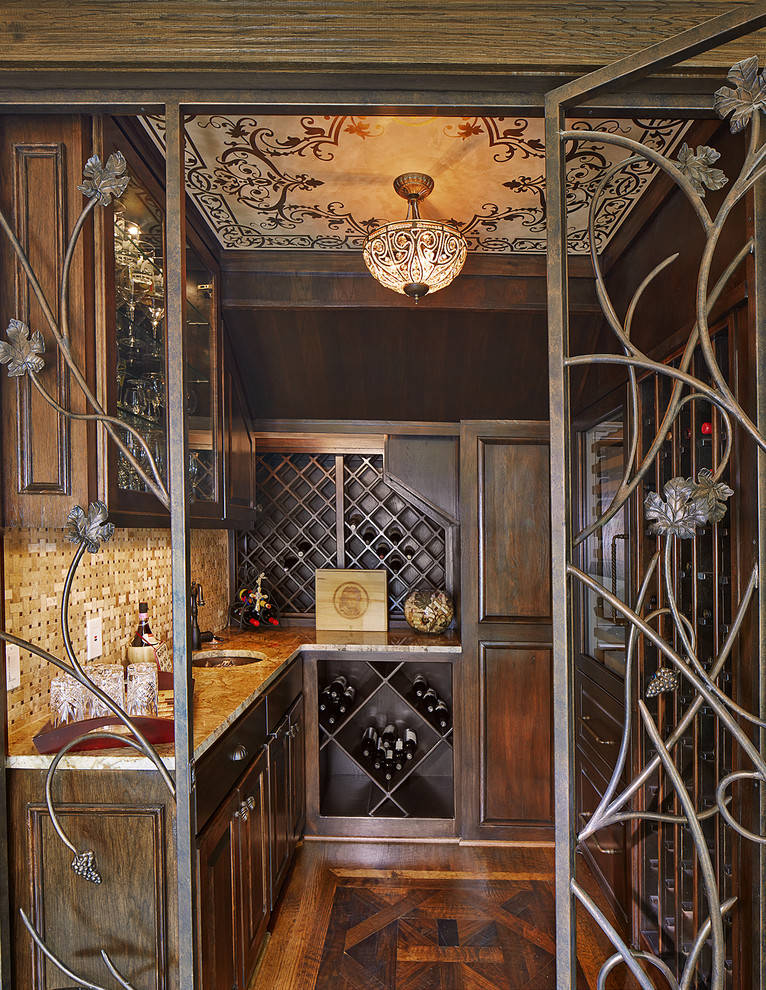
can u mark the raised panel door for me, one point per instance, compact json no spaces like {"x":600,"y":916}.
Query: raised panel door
{"x":253,"y":873}
{"x":217,"y":904}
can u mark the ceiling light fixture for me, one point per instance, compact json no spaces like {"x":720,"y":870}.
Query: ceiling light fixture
{"x":414,"y":256}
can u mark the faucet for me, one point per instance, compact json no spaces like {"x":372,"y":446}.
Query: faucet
{"x":196,"y":598}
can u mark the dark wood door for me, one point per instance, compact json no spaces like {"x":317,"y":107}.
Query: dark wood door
{"x":217,"y":922}
{"x":297,"y":769}
{"x":253,"y":864}
{"x":505,"y":724}
{"x":280,"y":830}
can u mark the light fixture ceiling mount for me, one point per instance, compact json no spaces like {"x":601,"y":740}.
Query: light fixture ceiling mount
{"x":414,"y":256}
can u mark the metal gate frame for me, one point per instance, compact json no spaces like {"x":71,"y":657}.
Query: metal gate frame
{"x":706,"y":36}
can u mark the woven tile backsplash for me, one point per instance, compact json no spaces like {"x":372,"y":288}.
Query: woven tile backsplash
{"x":133,"y":566}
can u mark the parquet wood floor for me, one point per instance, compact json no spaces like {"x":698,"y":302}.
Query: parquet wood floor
{"x":403,"y":916}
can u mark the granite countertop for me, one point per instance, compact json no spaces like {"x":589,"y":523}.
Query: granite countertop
{"x":222,"y":694}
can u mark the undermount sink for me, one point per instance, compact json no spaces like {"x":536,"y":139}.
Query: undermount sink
{"x":226,"y":658}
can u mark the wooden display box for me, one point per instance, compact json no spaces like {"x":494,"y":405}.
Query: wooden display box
{"x":351,"y":599}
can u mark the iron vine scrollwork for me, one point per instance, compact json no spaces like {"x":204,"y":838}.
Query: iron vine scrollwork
{"x":23,"y":355}
{"x":685,"y":505}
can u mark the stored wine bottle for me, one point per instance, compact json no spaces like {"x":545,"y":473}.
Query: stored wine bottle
{"x":289,"y":563}
{"x":419,"y":685}
{"x":303,"y":549}
{"x":399,"y":754}
{"x":388,"y":736}
{"x":337,"y":687}
{"x":388,"y":763}
{"x":409,"y":552}
{"x":354,"y":523}
{"x":410,"y":743}
{"x":430,"y":699}
{"x":368,"y":534}
{"x":441,"y":714}
{"x":381,"y":549}
{"x":380,"y":755}
{"x":369,"y":742}
{"x":325,"y":700}
{"x":346,"y":700}
{"x":394,"y":535}
{"x":395,"y":563}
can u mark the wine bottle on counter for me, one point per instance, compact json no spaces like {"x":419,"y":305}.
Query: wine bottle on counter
{"x":419,"y":685}
{"x":369,"y":742}
{"x":410,"y":742}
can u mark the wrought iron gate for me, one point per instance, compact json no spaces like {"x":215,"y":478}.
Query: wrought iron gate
{"x":683,"y":510}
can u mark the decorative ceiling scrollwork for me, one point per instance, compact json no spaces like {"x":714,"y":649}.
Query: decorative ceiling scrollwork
{"x":322,"y":182}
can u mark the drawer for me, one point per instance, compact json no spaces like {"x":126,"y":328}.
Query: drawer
{"x":282,"y":694}
{"x":227,"y":759}
{"x":599,"y":723}
{"x":606,"y":849}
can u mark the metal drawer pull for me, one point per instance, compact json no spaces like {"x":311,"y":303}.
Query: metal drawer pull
{"x":243,"y":814}
{"x":602,"y":742}
{"x":585,"y":815}
{"x":250,"y":802}
{"x":239,"y":754}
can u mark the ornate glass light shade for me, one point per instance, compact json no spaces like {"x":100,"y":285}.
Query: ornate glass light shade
{"x":414,"y":256}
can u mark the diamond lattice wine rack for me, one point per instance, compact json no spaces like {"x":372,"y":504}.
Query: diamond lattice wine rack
{"x":412,"y":783}
{"x":336,"y":510}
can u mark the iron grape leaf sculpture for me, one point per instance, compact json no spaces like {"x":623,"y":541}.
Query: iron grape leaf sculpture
{"x":663,"y":680}
{"x":93,"y":529}
{"x":679,"y":514}
{"x":84,"y":865}
{"x":711,"y":495}
{"x":747,"y":95}
{"x":697,"y":167}
{"x":105,"y":181}
{"x":21,"y":354}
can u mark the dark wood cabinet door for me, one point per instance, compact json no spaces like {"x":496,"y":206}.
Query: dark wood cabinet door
{"x":505,"y":727}
{"x":297,"y":769}
{"x":280,"y":818}
{"x":217,"y":868}
{"x":49,"y":461}
{"x":238,"y":450}
{"x":253,"y":872}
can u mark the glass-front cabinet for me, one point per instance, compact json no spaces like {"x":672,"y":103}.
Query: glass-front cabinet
{"x":136,"y":391}
{"x":606,"y":552}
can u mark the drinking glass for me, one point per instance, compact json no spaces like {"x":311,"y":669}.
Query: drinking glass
{"x":67,"y":700}
{"x":142,"y":689}
{"x":109,"y":677}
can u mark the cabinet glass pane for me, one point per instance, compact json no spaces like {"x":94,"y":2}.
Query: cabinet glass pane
{"x":606,"y":550}
{"x":140,"y":305}
{"x":200,"y":398}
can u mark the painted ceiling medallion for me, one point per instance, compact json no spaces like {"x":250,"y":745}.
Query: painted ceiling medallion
{"x":414,"y":256}
{"x":313,"y":182}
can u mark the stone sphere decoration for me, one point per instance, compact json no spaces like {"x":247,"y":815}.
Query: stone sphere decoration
{"x":428,"y":611}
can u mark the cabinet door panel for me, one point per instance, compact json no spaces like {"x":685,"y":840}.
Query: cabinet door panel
{"x":516,"y":731}
{"x":279,"y":809}
{"x":217,"y":921}
{"x":514,"y":517}
{"x":253,"y":864}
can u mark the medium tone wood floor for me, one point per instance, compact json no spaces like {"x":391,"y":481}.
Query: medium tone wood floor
{"x":405,"y":916}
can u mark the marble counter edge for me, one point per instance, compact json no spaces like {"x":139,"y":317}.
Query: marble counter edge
{"x":128,"y":761}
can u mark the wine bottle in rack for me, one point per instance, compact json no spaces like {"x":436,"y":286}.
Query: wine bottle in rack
{"x":381,"y":549}
{"x":337,"y":687}
{"x":303,"y":549}
{"x":388,"y":763}
{"x":410,"y":743}
{"x":430,"y":699}
{"x":346,"y":700}
{"x":368,"y":534}
{"x":389,"y":734}
{"x":289,"y":562}
{"x":325,"y":700}
{"x":395,"y":563}
{"x":369,"y":742}
{"x":409,"y":552}
{"x":354,"y":522}
{"x":441,"y":714}
{"x":399,"y":755}
{"x":380,"y":755}
{"x":419,"y":685}
{"x":395,"y":536}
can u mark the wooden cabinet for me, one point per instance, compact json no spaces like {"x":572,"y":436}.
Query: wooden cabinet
{"x":505,"y":727}
{"x":44,"y":471}
{"x":232,"y":864}
{"x":250,"y":808}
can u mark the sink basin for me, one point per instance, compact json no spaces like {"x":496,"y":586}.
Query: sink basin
{"x":226,"y":658}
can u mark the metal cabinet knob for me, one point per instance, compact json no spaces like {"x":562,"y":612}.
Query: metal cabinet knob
{"x":250,"y":802}
{"x":239,"y":754}
{"x":244,"y":813}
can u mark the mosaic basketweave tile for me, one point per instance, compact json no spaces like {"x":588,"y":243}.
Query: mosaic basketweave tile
{"x":134,"y":566}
